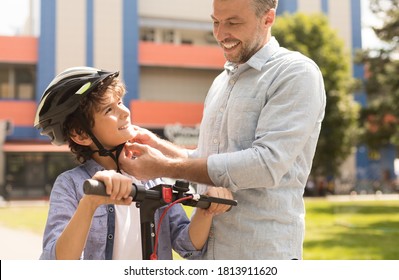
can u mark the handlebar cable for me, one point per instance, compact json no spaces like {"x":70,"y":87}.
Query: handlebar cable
{"x":154,"y":254}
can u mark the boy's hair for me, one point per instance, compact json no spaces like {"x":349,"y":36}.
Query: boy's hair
{"x":88,"y":106}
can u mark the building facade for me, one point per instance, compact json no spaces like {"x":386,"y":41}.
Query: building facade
{"x":165,"y":52}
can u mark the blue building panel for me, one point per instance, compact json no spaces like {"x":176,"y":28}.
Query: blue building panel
{"x":25,"y":132}
{"x":89,"y":33}
{"x":325,"y":6}
{"x":358,"y":70}
{"x":290,"y":6}
{"x":130,"y":48}
{"x":46,"y":57}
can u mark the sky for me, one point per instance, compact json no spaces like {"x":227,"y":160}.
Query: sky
{"x":13,"y":14}
{"x":369,"y":39}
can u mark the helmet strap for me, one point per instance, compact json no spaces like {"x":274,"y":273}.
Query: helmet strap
{"x":101,"y":150}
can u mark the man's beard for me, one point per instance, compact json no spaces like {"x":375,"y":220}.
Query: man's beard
{"x":247,"y":51}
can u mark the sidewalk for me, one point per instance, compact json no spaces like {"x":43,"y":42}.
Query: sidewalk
{"x":19,"y":244}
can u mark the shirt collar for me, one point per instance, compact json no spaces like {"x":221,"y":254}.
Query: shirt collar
{"x":258,"y":59}
{"x":92,"y":167}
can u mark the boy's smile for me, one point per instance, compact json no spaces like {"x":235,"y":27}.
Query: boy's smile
{"x":112,"y":124}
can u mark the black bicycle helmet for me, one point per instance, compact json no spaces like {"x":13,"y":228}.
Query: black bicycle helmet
{"x":62,"y":98}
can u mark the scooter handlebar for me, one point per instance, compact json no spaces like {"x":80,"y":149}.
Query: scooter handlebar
{"x":139,"y":193}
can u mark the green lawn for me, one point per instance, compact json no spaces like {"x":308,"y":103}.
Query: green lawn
{"x":31,"y":218}
{"x":334,"y":230}
{"x":353,"y":230}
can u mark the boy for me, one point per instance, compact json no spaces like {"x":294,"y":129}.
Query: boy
{"x":83,"y":107}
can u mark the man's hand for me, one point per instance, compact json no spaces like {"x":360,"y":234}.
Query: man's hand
{"x":143,"y":136}
{"x":142,"y":161}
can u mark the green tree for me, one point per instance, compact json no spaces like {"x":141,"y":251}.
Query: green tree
{"x":380,"y":116}
{"x":312,"y":36}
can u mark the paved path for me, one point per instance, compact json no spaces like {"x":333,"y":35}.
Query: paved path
{"x":16,"y":244}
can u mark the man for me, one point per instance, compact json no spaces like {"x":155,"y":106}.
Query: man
{"x":261,"y":122}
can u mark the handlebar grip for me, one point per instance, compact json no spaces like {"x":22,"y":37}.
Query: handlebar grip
{"x":138,"y":192}
{"x":204,"y":201}
{"x":219,"y":200}
{"x":91,"y":186}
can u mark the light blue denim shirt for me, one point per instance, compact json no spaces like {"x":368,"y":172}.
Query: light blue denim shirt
{"x":259,"y":130}
{"x":65,"y":196}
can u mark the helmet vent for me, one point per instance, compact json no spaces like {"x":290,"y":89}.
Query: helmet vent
{"x":46,"y":105}
{"x":67,"y":95}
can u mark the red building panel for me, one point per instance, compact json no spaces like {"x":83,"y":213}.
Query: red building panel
{"x":189,"y":56}
{"x":18,"y":49}
{"x":159,"y":114}
{"x":19,"y":113}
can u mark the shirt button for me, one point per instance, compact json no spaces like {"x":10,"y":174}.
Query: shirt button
{"x":221,"y":109}
{"x":111,"y":209}
{"x":232,"y":82}
{"x":215,"y":141}
{"x":110,"y":236}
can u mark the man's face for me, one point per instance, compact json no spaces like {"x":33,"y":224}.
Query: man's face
{"x":237,"y":29}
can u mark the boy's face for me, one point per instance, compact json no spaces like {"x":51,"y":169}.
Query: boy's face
{"x":112,"y":124}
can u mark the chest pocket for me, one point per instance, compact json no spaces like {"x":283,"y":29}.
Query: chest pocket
{"x":242,"y":119}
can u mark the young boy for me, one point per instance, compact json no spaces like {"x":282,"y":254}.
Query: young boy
{"x":83,"y":107}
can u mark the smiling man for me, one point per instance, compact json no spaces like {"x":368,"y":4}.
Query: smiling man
{"x":260,"y":127}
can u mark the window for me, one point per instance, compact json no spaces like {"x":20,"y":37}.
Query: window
{"x":5,"y":91}
{"x":147,"y":34}
{"x":31,"y":174}
{"x":24,"y":82}
{"x":17,"y":82}
{"x":168,"y":36}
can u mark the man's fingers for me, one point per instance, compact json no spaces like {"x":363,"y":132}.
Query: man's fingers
{"x":135,"y":149}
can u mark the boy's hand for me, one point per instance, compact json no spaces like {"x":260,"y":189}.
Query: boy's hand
{"x":219,"y":192}
{"x":117,"y":186}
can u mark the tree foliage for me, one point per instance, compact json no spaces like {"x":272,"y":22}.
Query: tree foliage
{"x":381,"y":115}
{"x":312,"y":36}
